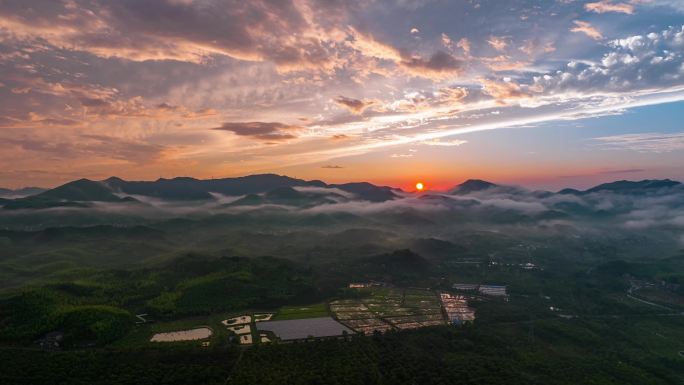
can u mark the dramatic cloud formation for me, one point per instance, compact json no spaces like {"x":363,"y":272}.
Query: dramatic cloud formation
{"x":635,"y":62}
{"x":214,"y":87}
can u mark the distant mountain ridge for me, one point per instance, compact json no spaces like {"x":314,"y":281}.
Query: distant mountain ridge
{"x":20,"y":192}
{"x":276,"y":189}
{"x":628,"y":187}
{"x":472,"y":185}
{"x":272,"y":189}
{"x":184,"y":188}
{"x":68,"y":195}
{"x":619,"y":187}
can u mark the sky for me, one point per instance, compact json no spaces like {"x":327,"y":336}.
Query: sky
{"x":545,"y":94}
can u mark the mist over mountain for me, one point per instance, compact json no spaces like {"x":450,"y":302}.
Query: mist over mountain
{"x":268,"y":206}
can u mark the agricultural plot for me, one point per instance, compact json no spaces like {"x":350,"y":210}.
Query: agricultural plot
{"x":390,"y":308}
{"x":299,"y":312}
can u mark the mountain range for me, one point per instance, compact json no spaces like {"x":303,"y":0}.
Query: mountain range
{"x":254,"y":190}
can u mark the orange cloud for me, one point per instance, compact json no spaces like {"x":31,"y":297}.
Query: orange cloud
{"x":183,"y":30}
{"x":439,"y":65}
{"x":607,"y":6}
{"x":503,"y":90}
{"x":464,"y":44}
{"x":446,"y":41}
{"x":587,"y":29}
{"x":504,"y":63}
{"x":452,"y":95}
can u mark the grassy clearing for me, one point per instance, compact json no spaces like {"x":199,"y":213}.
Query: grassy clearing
{"x":299,"y":312}
{"x":140,"y":336}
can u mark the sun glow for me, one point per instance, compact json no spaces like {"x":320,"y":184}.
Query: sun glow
{"x":420,"y":186}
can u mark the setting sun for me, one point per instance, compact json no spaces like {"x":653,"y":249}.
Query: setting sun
{"x":420,"y":186}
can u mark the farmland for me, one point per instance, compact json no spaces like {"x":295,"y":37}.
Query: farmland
{"x":386,"y":309}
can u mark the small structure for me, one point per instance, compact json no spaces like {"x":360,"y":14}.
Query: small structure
{"x":362,"y":285}
{"x":358,"y":285}
{"x":51,"y":341}
{"x":465,"y":286}
{"x":528,"y":266}
{"x":493,"y":290}
{"x":239,"y":320}
{"x":240,"y":329}
{"x":142,"y":319}
{"x":263,"y":338}
{"x":263,"y":317}
{"x":246,"y":339}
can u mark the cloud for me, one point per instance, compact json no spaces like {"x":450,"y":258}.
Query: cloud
{"x":86,"y":146}
{"x":587,"y":29}
{"x":608,"y":6}
{"x":497,"y":42}
{"x":502,"y":91}
{"x":622,"y":171}
{"x":637,"y":62}
{"x":452,"y":94}
{"x":644,"y":142}
{"x":177,"y":30}
{"x":271,"y":131}
{"x":447,"y":42}
{"x":333,"y":166}
{"x":464,"y":44}
{"x":504,"y":63}
{"x":535,"y":46}
{"x":369,"y":46}
{"x":439,"y":65}
{"x":444,"y":143}
{"x":356,"y":106}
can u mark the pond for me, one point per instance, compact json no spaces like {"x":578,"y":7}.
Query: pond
{"x":303,"y":328}
{"x":182,"y":335}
